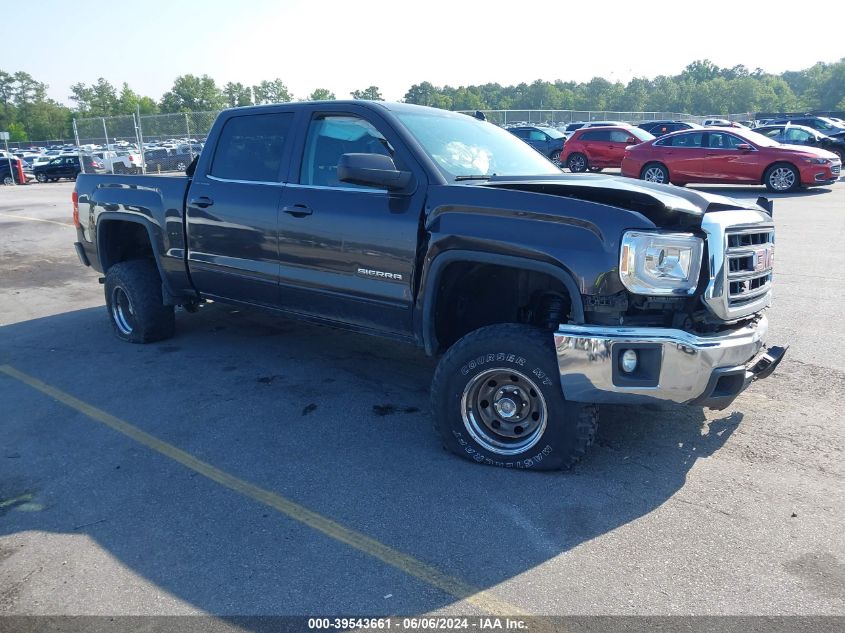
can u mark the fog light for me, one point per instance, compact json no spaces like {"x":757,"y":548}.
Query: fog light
{"x":629,"y":361}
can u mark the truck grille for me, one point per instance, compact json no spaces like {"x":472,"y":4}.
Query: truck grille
{"x":749,"y":258}
{"x":740,"y":262}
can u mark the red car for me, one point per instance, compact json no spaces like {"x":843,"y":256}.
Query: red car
{"x":595,"y":148}
{"x":730,"y":155}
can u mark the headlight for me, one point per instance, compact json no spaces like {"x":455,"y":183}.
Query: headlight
{"x":817,"y":161}
{"x":660,"y":263}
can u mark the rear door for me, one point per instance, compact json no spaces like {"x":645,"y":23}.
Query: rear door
{"x":232,"y":209}
{"x":682,"y":154}
{"x":347,"y":252}
{"x":597,"y":146}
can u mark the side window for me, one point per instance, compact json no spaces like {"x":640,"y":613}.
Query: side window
{"x":596,"y":135}
{"x":793,"y":134}
{"x":619,"y":136}
{"x":523,"y":134}
{"x":329,"y":137}
{"x":772,"y":133}
{"x":536,"y":135}
{"x":250,"y":147}
{"x":732,"y":142}
{"x":694,"y":139}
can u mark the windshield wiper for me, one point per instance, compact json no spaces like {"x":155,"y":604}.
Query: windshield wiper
{"x":475,"y":177}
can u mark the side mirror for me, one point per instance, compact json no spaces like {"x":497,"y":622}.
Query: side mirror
{"x":744,"y":147}
{"x":372,"y":170}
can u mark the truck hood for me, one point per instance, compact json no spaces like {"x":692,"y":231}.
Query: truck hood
{"x":663,"y":204}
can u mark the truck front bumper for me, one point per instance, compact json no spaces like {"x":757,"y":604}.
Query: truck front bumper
{"x":672,"y":365}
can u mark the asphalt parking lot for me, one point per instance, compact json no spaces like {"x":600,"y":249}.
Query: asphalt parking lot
{"x":253,"y":465}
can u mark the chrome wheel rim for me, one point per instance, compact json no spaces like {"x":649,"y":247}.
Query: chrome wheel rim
{"x":654,"y":174}
{"x":555,"y":157}
{"x":41,"y":178}
{"x":782,"y":179}
{"x":7,"y":180}
{"x":577,"y":163}
{"x":181,"y":166}
{"x":504,"y":411}
{"x":122,"y":311}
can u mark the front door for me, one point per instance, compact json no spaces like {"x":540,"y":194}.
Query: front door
{"x":725,"y":162}
{"x":232,"y":210}
{"x":346,"y":251}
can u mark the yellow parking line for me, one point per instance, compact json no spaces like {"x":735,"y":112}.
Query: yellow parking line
{"x":401,"y":561}
{"x":26,"y":217}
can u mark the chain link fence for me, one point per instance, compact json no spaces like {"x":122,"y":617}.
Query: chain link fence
{"x":155,"y":143}
{"x":564,"y":117}
{"x":136,"y":143}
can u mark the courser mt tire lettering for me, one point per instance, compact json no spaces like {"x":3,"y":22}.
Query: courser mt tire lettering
{"x":496,"y":399}
{"x":134,"y":302}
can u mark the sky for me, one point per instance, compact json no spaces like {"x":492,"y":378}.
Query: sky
{"x":345,"y":45}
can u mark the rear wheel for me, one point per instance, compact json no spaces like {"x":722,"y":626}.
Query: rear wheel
{"x":781,"y":178}
{"x":134,"y":302}
{"x":497,"y":400}
{"x":655,"y":172}
{"x":181,"y":166}
{"x":577,"y":163}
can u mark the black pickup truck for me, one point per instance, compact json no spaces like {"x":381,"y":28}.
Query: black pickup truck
{"x":544,"y":293}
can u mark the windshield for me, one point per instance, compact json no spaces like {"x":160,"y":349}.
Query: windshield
{"x":552,"y":132}
{"x":463,"y":146}
{"x":829,"y":124}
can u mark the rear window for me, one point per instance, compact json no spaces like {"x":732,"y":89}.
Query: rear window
{"x":250,"y":147}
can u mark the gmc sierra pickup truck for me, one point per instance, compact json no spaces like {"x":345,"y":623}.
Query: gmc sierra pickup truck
{"x":544,"y":294}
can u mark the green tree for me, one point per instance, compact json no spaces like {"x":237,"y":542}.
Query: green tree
{"x":193,"y":94}
{"x":271,"y":92}
{"x":321,"y":94}
{"x":372,"y":94}
{"x":17,"y":132}
{"x":237,"y":94}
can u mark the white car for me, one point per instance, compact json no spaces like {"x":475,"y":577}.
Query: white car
{"x":120,"y":161}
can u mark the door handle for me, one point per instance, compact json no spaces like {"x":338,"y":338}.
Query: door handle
{"x":298,"y":210}
{"x":202,"y":202}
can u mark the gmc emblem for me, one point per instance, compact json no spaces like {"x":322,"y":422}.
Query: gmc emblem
{"x":764,"y":258}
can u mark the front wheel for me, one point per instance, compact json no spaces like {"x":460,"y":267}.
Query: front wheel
{"x":134,"y":302}
{"x":8,"y":181}
{"x":181,"y":166}
{"x":497,"y":400}
{"x":577,"y":163}
{"x":782,"y":178}
{"x":41,"y":177}
{"x":555,"y":157}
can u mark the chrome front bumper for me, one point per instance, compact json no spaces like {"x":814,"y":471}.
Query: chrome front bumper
{"x":674,"y":365}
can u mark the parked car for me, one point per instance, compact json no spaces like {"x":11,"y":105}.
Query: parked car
{"x":546,"y":140}
{"x":67,"y":167}
{"x":716,"y":123}
{"x":167,"y":159}
{"x":820,"y":123}
{"x":659,"y":128}
{"x":543,"y":293}
{"x":605,"y":124}
{"x":803,"y":135}
{"x":730,"y":155}
{"x":120,"y":161}
{"x":597,"y":148}
{"x":12,"y":171}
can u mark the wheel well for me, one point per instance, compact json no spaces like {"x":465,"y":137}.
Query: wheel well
{"x":778,"y":162}
{"x":471,"y":295}
{"x":119,"y":241}
{"x":653,"y":162}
